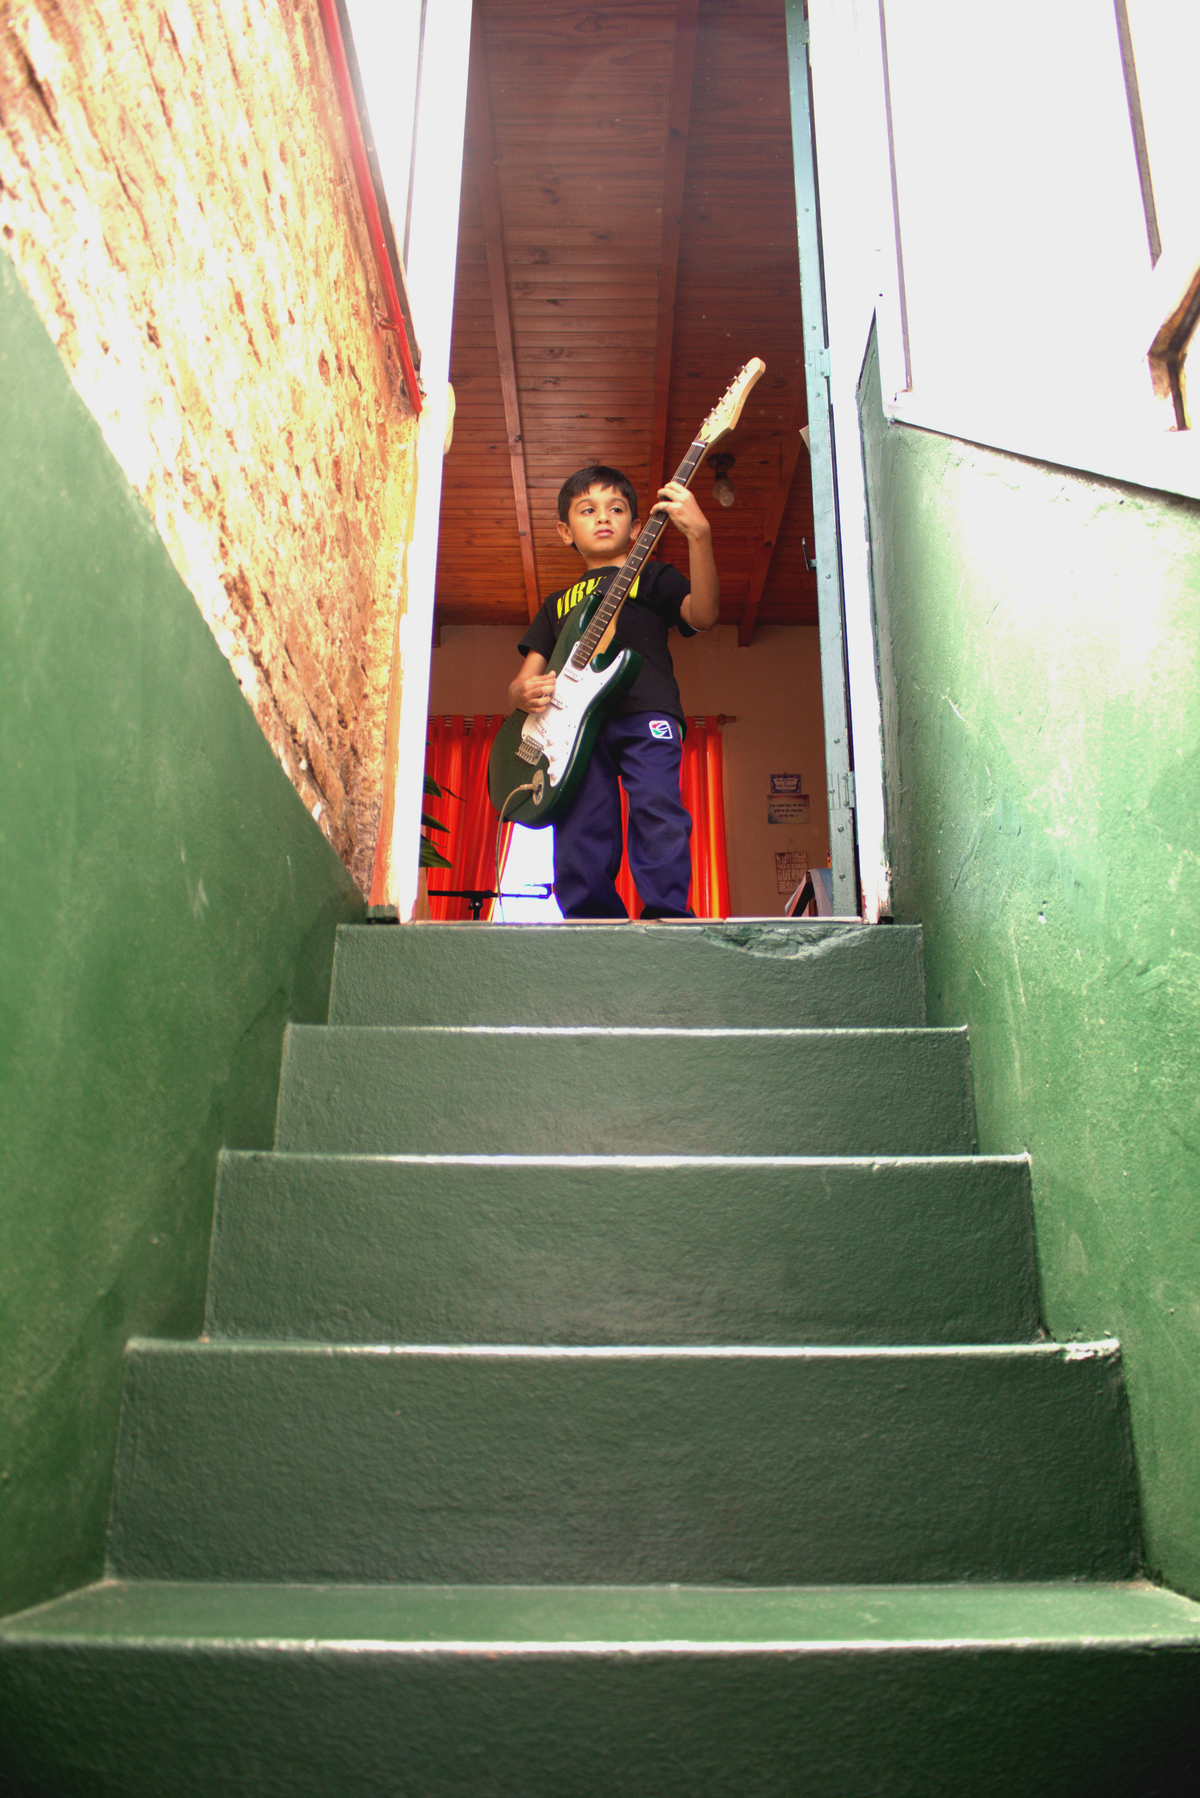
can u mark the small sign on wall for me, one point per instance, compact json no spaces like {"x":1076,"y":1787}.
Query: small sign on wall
{"x":791,"y":866}
{"x":788,"y":803}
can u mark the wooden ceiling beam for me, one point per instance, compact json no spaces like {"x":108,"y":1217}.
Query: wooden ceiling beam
{"x":791,"y":448}
{"x":483,"y":142}
{"x":679,"y":110}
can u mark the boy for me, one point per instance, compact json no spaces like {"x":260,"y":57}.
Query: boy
{"x":641,"y":740}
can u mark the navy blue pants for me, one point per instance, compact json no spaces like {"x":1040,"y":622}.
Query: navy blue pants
{"x":643,"y":750}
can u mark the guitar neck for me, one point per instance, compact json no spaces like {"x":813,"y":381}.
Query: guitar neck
{"x":629,"y":570}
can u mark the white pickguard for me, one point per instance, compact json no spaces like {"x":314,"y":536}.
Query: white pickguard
{"x":556,"y":730}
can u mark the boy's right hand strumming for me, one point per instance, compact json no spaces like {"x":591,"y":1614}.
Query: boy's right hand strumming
{"x":533,"y":688}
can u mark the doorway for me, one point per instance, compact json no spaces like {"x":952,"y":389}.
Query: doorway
{"x":627,"y":240}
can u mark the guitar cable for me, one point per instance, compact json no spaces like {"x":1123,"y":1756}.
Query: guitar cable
{"x":537,"y":787}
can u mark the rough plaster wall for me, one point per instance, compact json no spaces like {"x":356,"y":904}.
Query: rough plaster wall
{"x":175,"y":193}
{"x":1044,"y":824}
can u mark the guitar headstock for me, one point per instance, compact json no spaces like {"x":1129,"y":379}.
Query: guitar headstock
{"x":728,"y":409}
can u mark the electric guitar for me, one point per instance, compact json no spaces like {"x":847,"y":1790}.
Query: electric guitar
{"x":538,"y":758}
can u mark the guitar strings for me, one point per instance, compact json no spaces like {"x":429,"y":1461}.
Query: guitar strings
{"x":616,"y":593}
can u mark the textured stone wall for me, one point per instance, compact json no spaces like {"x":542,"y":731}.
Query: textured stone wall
{"x":176,"y":194}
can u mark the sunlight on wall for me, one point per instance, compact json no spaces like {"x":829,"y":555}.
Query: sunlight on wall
{"x":1022,"y":271}
{"x":1001,"y":235}
{"x":387,"y":38}
{"x":1166,"y":44}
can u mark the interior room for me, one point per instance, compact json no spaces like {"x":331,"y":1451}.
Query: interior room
{"x":627,"y":242}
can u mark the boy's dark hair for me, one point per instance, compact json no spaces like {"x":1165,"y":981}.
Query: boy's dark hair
{"x":596,"y":474}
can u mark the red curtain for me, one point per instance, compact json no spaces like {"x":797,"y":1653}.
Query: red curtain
{"x":701,"y":782}
{"x":457,"y":758}
{"x":701,"y":789}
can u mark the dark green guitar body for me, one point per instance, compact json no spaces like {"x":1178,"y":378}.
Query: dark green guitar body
{"x":550,"y":749}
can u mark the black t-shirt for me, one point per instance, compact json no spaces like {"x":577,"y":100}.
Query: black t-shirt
{"x":647,"y":615}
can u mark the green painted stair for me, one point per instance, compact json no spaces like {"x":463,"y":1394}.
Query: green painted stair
{"x":651,"y":1249}
{"x":823,"y":974}
{"x":558,"y":1089}
{"x":705,"y":1466}
{"x":623,"y":1378}
{"x":999,"y":1691}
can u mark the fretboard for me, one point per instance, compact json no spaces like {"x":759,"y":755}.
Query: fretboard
{"x":631,"y":567}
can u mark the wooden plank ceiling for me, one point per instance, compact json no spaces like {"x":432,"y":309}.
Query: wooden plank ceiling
{"x":627,"y":242}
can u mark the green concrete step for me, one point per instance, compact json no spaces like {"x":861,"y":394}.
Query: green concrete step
{"x":185,"y":1691}
{"x":661,"y":1250}
{"x":609,"y":1092}
{"x":823,"y":974}
{"x":737,"y":1466}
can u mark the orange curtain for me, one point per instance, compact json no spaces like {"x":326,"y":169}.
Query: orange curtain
{"x":457,"y":758}
{"x":702,"y":792}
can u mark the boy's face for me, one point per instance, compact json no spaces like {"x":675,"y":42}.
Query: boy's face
{"x":600,"y":525}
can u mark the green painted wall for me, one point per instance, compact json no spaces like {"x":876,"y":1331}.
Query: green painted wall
{"x":167,"y":903}
{"x":1039,"y":637}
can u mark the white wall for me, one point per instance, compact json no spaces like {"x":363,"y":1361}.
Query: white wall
{"x":1008,"y":262}
{"x":773,"y":689}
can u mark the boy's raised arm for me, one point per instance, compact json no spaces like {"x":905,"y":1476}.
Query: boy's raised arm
{"x":702,"y":605}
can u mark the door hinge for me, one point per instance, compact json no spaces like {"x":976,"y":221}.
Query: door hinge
{"x":841,"y":791}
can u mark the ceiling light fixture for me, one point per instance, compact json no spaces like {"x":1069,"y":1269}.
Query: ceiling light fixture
{"x":723,"y":488}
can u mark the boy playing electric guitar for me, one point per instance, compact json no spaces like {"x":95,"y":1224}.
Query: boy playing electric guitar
{"x":641,"y":740}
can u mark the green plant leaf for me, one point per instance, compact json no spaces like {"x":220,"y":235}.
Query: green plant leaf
{"x":435,"y":792}
{"x":432,"y":823}
{"x":431,"y":857}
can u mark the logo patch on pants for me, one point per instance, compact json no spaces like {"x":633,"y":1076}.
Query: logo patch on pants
{"x":661,"y":727}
